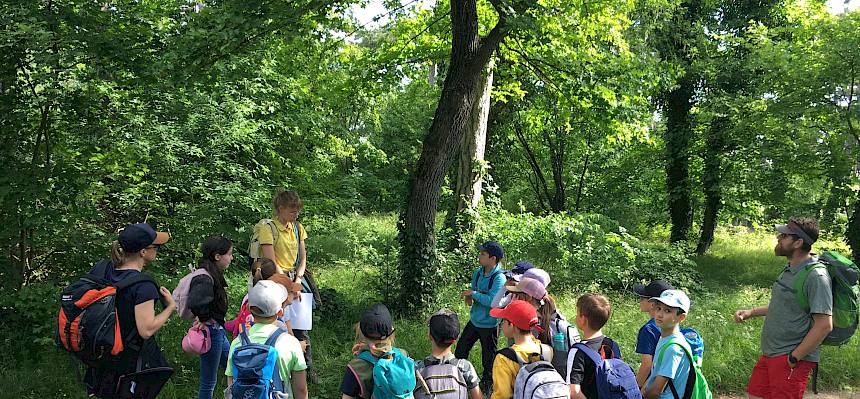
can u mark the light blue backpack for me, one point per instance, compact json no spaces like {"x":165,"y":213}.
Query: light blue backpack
{"x":393,"y":375}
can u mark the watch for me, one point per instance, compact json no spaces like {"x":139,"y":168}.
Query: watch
{"x":792,"y":359}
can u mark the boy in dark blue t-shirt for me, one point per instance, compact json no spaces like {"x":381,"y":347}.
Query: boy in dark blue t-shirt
{"x":649,"y":334}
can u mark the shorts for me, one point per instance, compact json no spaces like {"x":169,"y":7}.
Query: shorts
{"x":772,"y":378}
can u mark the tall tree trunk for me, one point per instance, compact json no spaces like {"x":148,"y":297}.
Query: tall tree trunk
{"x":557,"y":156}
{"x":679,"y":130}
{"x":583,"y":173}
{"x":470,"y":166}
{"x":470,"y":53}
{"x":712,"y":183}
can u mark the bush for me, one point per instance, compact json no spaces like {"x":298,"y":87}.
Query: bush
{"x":583,"y":251}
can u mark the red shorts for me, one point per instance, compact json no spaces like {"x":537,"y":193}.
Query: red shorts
{"x":772,"y":378}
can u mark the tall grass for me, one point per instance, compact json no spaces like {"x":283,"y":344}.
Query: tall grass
{"x":349,"y":254}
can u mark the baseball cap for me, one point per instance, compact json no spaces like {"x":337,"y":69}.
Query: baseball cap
{"x":135,"y":237}
{"x":529,"y":286}
{"x":267,"y":296}
{"x":653,"y":289}
{"x":539,"y":275}
{"x":376,"y":322}
{"x":517,"y":272}
{"x":675,"y":299}
{"x":444,"y":326}
{"x":793,"y":229}
{"x":493,"y":248}
{"x":520,"y":313}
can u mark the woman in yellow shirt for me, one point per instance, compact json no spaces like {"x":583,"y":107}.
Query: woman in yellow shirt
{"x":288,"y":251}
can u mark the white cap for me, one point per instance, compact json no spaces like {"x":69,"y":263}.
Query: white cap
{"x":267,"y":296}
{"x":675,"y":299}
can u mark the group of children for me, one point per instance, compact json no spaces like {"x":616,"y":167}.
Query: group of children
{"x":516,"y":303}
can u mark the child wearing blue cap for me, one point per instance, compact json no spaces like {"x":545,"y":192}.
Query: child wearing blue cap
{"x":487,"y":281}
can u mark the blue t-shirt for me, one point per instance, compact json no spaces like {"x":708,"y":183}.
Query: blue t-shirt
{"x":673,"y":365}
{"x":646,"y":341}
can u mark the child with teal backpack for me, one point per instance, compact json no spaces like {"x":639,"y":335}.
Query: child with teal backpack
{"x":379,"y":370}
{"x":674,"y":373}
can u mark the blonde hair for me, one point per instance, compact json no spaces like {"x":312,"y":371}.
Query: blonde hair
{"x":286,"y":199}
{"x":118,"y":256}
{"x":377,"y":347}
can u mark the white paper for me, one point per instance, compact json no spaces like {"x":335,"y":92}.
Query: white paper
{"x":301,"y":312}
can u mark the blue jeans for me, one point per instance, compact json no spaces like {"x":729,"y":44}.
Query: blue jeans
{"x":213,"y":361}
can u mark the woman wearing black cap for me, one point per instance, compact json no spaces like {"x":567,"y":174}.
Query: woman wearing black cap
{"x":136,"y":246}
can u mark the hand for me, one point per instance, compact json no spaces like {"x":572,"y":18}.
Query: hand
{"x":169,"y":303}
{"x":792,"y":361}
{"x":742,"y":315}
{"x":466,"y":293}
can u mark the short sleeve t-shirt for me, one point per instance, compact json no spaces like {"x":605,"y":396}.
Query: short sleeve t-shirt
{"x":290,"y":356}
{"x":646,"y":341}
{"x":786,"y":324}
{"x":581,"y":368}
{"x":132,"y":296}
{"x":467,"y":370}
{"x":673,"y":364}
{"x":287,"y":248}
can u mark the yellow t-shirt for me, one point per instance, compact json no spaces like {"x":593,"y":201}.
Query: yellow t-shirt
{"x":505,"y":370}
{"x":286,"y":249}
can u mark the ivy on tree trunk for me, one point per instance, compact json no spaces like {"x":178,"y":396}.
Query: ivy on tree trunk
{"x":470,"y":53}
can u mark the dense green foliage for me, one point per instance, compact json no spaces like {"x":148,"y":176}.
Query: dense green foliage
{"x":188,"y":114}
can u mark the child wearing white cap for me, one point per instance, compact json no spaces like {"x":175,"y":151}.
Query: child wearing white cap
{"x":266,"y":301}
{"x":671,"y":367}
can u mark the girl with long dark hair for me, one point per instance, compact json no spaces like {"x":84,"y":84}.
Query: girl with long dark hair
{"x":207,"y":300}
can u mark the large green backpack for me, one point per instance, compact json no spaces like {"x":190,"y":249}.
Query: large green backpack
{"x":697,"y":385}
{"x":844,"y":276}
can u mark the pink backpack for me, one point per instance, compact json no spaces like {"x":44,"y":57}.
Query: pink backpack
{"x":241,"y":319}
{"x":180,"y":294}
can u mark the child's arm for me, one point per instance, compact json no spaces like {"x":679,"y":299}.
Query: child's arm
{"x":576,"y":392}
{"x":644,"y":370}
{"x":300,"y":272}
{"x":656,"y":388}
{"x":299,"y":382}
{"x":475,"y":393}
{"x":497,"y":285}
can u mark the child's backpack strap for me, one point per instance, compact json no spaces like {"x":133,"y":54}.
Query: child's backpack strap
{"x":591,"y":353}
{"x":361,"y":367}
{"x":297,"y":229}
{"x":691,"y":377}
{"x":512,"y":355}
{"x":277,"y":380}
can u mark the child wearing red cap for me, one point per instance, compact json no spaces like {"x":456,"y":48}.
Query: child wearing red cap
{"x":518,"y":319}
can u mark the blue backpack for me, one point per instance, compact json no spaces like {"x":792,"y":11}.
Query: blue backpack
{"x":255,"y":369}
{"x":697,"y":345}
{"x":393,"y":378}
{"x":615,"y":379}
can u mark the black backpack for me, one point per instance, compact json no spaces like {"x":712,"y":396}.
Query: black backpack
{"x":88,"y":324}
